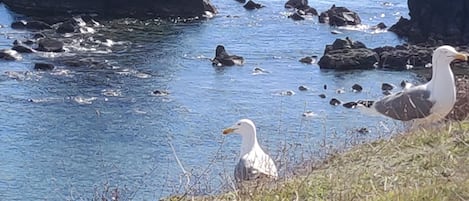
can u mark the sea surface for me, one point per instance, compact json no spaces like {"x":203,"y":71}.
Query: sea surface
{"x":81,"y":131}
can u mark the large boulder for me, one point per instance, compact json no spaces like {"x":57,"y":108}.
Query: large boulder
{"x":49,"y":45}
{"x":339,"y":16}
{"x":345,"y":54}
{"x":435,"y":20}
{"x":115,"y":8}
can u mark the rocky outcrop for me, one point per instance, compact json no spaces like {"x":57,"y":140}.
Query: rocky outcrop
{"x":339,"y":16}
{"x":43,"y":66}
{"x":345,"y":54}
{"x":435,"y":21}
{"x":50,"y":45}
{"x":301,"y":8}
{"x":251,"y":5}
{"x":115,"y":8}
{"x":222,"y":58}
{"x":402,"y":57}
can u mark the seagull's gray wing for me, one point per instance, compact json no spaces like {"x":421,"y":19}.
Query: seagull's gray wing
{"x":406,"y":105}
{"x":245,"y":170}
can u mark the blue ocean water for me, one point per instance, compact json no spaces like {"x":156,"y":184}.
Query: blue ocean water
{"x":70,"y":133}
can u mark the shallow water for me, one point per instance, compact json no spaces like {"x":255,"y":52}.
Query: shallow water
{"x":68,"y":133}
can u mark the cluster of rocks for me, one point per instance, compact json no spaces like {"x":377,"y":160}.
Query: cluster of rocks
{"x":345,"y":54}
{"x":335,"y":16}
{"x":44,"y":38}
{"x":105,"y":8}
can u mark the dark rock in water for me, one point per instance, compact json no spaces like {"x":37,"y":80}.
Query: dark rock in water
{"x":302,"y":88}
{"x":22,"y":48}
{"x":105,"y":8}
{"x":18,"y":25}
{"x":381,"y":26}
{"x":334,"y":102}
{"x":346,"y":54}
{"x":241,"y":1}
{"x":251,"y":5}
{"x":224,"y":59}
{"x":357,"y":87}
{"x":309,"y":60}
{"x":339,"y":16}
{"x":300,"y":14}
{"x":9,"y":55}
{"x":322,"y":95}
{"x":296,"y":16}
{"x":350,"y":105}
{"x":160,"y":92}
{"x":43,"y":66}
{"x":37,"y":25}
{"x":325,"y":87}
{"x":435,"y":20}
{"x":387,"y":87}
{"x":301,"y":6}
{"x":50,"y":45}
{"x":347,"y":59}
{"x":67,"y":27}
{"x":296,"y":4}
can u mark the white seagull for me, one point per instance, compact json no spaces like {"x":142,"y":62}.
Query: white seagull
{"x":428,"y":102}
{"x":253,"y":162}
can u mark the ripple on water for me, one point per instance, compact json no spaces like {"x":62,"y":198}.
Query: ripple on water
{"x":111,"y":92}
{"x":84,"y":100}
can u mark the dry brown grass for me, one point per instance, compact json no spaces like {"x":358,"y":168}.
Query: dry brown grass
{"x":420,"y":165}
{"x":461,"y":108}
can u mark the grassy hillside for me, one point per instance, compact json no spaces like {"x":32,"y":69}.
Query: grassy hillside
{"x":419,"y":165}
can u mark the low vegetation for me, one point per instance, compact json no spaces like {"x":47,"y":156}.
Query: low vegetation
{"x":428,"y":164}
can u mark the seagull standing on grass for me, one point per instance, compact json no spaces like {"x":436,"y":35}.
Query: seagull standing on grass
{"x":429,"y":102}
{"x":253,"y":163}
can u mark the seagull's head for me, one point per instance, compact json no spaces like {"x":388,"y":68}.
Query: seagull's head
{"x":242,"y":127}
{"x":448,"y":54}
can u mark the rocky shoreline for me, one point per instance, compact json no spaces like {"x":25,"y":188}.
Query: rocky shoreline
{"x":49,"y":9}
{"x":422,"y":36}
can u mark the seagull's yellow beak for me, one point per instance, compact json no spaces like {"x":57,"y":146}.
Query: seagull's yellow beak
{"x":228,"y":131}
{"x":461,"y":56}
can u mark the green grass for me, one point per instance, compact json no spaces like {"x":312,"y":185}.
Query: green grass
{"x":419,"y":165}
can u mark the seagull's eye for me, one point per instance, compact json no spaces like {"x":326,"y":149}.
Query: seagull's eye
{"x":239,"y":124}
